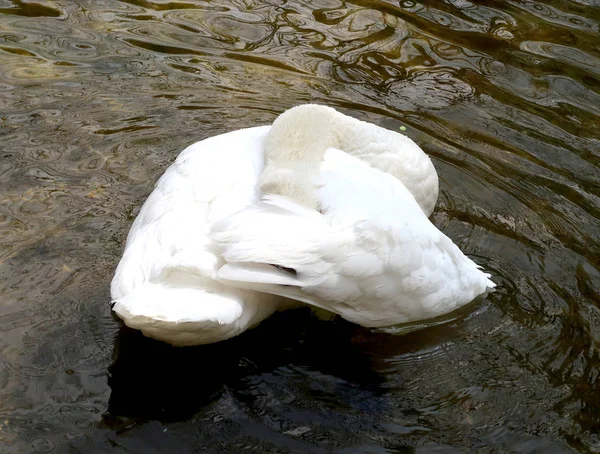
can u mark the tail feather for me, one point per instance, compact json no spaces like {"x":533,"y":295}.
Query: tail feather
{"x":242,"y":276}
{"x":257,"y":273}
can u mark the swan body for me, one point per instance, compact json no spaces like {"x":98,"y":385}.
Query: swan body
{"x":170,"y":281}
{"x":334,"y":232}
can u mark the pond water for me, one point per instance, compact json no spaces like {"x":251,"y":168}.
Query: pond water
{"x":97,"y":97}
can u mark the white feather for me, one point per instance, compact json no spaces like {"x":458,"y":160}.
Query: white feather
{"x":372,"y":256}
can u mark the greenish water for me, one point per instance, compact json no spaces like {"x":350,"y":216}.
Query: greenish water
{"x":98,"y":97}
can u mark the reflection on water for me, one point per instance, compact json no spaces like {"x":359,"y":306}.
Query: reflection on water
{"x":98,"y":97}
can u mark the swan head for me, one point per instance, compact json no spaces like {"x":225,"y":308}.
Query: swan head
{"x":294,"y":150}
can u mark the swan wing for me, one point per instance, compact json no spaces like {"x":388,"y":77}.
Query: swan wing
{"x":369,"y":253}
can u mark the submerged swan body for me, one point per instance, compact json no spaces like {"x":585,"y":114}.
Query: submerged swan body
{"x":336,"y":233}
{"x":166,"y":283}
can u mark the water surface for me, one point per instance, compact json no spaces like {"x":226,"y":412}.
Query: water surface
{"x":98,"y":97}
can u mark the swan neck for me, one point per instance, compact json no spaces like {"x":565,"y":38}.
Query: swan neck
{"x":303,"y":133}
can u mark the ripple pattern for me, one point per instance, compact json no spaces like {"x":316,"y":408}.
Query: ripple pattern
{"x":98,"y":97}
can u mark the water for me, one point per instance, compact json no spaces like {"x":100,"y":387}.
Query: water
{"x":98,"y":97}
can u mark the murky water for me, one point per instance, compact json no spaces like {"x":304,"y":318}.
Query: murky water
{"x":98,"y":97}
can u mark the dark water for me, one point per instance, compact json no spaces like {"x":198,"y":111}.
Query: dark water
{"x":98,"y":97}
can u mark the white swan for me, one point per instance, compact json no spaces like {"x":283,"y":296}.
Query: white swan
{"x":336,"y":233}
{"x":165,"y":284}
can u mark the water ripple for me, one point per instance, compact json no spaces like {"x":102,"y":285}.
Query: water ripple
{"x":98,"y":97}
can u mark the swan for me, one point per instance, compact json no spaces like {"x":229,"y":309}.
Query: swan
{"x":166,"y":283}
{"x":335,"y":232}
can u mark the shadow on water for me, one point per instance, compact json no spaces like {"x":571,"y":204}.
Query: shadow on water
{"x":153,"y":380}
{"x":295,"y":384}
{"x":290,"y":376}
